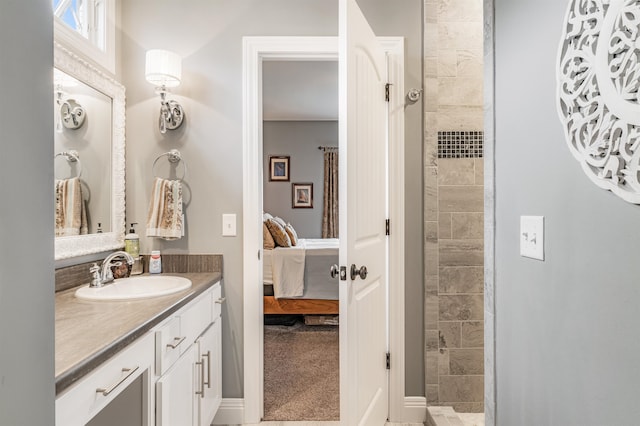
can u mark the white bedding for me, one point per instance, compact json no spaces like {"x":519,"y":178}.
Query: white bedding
{"x":284,"y":267}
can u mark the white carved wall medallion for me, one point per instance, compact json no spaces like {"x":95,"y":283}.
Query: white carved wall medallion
{"x":598,"y":78}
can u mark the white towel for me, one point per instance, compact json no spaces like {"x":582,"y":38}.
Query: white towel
{"x":165,"y":218}
{"x":287,"y":264}
{"x":71,"y":214}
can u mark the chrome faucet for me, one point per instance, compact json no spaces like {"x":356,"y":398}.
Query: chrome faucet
{"x":102,"y":274}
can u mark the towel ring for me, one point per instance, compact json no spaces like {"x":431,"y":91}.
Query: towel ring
{"x":72,"y":157}
{"x":174,"y":157}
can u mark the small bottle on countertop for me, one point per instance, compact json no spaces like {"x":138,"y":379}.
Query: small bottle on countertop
{"x":132,"y":242}
{"x":155,"y":262}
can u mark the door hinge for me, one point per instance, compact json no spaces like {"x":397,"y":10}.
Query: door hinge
{"x":386,"y":91}
{"x":387,"y":228}
{"x":388,"y":361}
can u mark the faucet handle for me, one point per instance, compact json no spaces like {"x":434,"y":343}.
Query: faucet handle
{"x":94,"y":270}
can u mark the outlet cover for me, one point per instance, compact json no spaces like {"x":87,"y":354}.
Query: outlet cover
{"x":532,"y":237}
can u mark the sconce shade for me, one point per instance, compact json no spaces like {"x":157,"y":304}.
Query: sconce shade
{"x":163,"y":68}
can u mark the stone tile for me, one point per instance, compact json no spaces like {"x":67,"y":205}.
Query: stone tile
{"x":450,"y":334}
{"x":431,"y":67}
{"x":461,"y":199}
{"x":431,"y":12}
{"x":444,"y":226}
{"x":458,"y":35}
{"x":431,"y":373}
{"x":460,"y":308}
{"x":469,"y":64}
{"x":467,"y":226}
{"x":431,"y":128}
{"x":479,"y":165}
{"x":468,"y":407}
{"x":472,"y":334}
{"x":461,"y":252}
{"x":460,"y":389}
{"x":431,"y":94}
{"x":461,"y":279}
{"x":431,"y":312}
{"x":431,"y":285}
{"x":431,"y":194}
{"x":460,"y":91}
{"x":432,"y":394}
{"x":460,"y":117}
{"x":431,"y":235}
{"x":460,"y":11}
{"x":431,"y":35}
{"x":443,"y":362}
{"x":447,"y":63}
{"x":466,"y":362}
{"x":431,"y":339}
{"x":431,"y":149}
{"x":456,"y":171}
{"x":431,"y":259}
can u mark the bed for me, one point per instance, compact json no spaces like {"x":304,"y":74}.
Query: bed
{"x":297,"y":279}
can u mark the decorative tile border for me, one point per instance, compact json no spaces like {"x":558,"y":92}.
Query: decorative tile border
{"x":460,"y":144}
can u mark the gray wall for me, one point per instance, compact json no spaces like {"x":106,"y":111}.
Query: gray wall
{"x":26,"y":231}
{"x":300,"y":141}
{"x":567,"y":328}
{"x":208,"y":35}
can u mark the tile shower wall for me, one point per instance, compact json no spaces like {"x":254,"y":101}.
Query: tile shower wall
{"x":453,"y":200}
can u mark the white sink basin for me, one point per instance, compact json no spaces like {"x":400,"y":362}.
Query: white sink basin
{"x":135,"y":288}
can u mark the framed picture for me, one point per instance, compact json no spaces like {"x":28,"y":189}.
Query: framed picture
{"x":279,"y":168}
{"x":302,"y":195}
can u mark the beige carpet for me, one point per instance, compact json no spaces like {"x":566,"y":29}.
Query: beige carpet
{"x":301,"y":377}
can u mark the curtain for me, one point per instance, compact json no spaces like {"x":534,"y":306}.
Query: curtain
{"x":330,"y":196}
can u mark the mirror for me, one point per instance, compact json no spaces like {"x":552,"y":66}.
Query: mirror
{"x":89,"y":145}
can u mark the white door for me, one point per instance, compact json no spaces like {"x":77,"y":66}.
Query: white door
{"x":363,"y":209}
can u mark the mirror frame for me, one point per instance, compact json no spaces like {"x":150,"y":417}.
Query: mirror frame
{"x":80,"y":245}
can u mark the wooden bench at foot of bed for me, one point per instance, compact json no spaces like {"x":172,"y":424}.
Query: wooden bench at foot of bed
{"x":300,"y":306}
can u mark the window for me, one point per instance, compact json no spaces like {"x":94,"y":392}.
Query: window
{"x":87,"y":28}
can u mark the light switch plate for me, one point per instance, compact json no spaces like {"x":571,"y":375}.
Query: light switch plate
{"x":532,"y":237}
{"x":228,"y":225}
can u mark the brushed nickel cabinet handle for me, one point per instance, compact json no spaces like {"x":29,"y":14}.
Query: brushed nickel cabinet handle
{"x":208,"y":355}
{"x":221,"y":300}
{"x":107,"y":391}
{"x":201,"y":391}
{"x":177,"y":341}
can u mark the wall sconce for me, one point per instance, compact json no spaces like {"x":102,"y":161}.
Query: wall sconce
{"x":164,"y":69}
{"x":71,"y":114}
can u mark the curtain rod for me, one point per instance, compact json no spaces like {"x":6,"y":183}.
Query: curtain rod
{"x":327,"y":148}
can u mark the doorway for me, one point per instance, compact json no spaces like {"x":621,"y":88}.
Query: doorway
{"x":256,"y":50}
{"x":301,"y":330}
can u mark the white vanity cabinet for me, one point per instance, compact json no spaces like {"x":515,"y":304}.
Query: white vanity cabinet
{"x":188,"y":348}
{"x":170,"y":376}
{"x":89,"y":397}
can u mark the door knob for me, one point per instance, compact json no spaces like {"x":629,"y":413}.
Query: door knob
{"x":355,"y":272}
{"x":335,"y":271}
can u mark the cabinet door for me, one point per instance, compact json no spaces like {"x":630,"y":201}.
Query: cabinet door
{"x":211,"y":355}
{"x":175,"y":392}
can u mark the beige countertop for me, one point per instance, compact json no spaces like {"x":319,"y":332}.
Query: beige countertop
{"x":89,"y":333}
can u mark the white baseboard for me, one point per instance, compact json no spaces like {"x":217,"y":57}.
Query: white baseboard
{"x":415,"y":409}
{"x":231,"y":412}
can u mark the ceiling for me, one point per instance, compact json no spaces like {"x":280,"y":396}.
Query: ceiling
{"x":300,"y":90}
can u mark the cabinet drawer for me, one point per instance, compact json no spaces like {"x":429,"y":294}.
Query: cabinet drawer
{"x":196,"y":318}
{"x":217,"y":300}
{"x":90,"y":395}
{"x":168,"y":344}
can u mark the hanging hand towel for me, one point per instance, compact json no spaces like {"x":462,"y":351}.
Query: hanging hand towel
{"x":71,"y":215}
{"x":165,"y":219}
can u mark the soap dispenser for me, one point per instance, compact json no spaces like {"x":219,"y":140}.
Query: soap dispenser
{"x":132,"y":246}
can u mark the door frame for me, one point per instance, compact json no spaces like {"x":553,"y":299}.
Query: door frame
{"x":255,"y":51}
